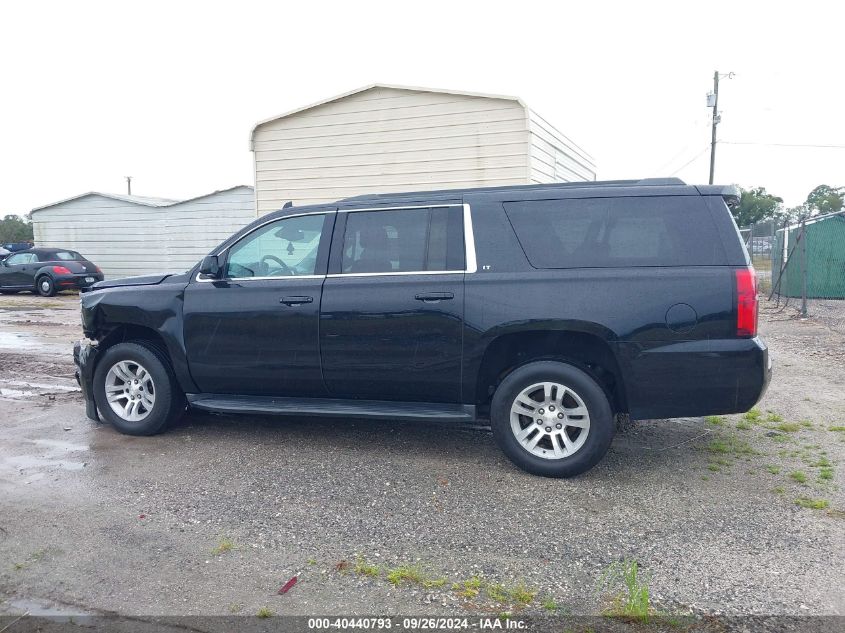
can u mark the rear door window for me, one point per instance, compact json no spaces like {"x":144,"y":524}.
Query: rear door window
{"x":616,"y":232}
{"x":403,"y":241}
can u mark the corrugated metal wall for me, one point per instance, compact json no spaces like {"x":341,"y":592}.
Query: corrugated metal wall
{"x":554,"y":157}
{"x":126,"y":238}
{"x":386,"y":139}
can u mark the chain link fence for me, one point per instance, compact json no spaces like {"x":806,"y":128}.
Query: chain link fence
{"x":801,"y":265}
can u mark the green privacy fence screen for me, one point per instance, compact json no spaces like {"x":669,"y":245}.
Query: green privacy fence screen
{"x":824,"y":246}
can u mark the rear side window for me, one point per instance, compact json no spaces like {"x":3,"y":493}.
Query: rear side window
{"x":615,"y":232}
{"x":403,"y":240}
{"x":67,"y":256}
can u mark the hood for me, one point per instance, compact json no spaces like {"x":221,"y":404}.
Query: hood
{"x":140,"y":280}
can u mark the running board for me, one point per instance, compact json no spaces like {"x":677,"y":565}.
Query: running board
{"x":326,"y":407}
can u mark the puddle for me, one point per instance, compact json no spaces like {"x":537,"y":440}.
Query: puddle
{"x":37,"y":609}
{"x":14,"y":393}
{"x":16,"y":340}
{"x":54,"y":455}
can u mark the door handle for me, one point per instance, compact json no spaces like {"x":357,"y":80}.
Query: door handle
{"x":434,"y":297}
{"x":295,"y":301}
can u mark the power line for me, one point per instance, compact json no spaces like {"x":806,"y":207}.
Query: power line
{"x":691,"y":160}
{"x":810,"y":145}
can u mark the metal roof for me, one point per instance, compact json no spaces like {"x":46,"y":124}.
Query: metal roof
{"x":343,"y":95}
{"x":145,"y":201}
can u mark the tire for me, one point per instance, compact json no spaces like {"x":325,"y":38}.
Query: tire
{"x":45,"y":286}
{"x":586,"y":419}
{"x":139,"y":374}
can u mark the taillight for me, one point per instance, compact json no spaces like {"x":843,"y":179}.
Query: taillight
{"x":61,"y":270}
{"x":746,"y":302}
{"x":97,"y":268}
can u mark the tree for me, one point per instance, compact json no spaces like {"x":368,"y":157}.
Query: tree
{"x":755,"y":205}
{"x":824,"y":199}
{"x":14,"y":228}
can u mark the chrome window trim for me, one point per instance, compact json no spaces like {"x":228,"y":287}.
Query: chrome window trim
{"x":470,"y":265}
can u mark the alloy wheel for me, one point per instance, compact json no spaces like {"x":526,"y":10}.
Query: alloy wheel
{"x":550,"y":420}
{"x":130,"y":390}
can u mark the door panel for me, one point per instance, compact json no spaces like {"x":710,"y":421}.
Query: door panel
{"x":255,"y":332}
{"x":242,"y":339}
{"x":380,"y":341}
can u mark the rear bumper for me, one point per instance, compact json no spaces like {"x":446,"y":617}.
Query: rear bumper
{"x":79,"y":282}
{"x":696,"y":378}
{"x":85,"y":358}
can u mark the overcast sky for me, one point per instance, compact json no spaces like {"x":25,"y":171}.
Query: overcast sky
{"x":167,"y":92}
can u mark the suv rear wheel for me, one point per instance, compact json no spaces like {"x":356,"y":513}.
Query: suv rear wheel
{"x":135,"y":389}
{"x":552,"y":419}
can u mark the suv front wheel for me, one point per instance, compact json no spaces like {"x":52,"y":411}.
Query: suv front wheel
{"x":552,"y":419}
{"x":135,"y":389}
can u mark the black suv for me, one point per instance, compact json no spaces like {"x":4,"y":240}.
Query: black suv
{"x":547,"y":309}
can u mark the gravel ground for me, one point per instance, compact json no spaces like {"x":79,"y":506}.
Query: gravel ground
{"x":217,"y":514}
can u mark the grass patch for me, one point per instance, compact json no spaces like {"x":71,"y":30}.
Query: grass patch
{"x":714,"y":467}
{"x":468,"y":588}
{"x":312,"y":561}
{"x":787,"y":427}
{"x":705,"y":478}
{"x":822,"y":462}
{"x":522,"y":594}
{"x":497,"y":592}
{"x":774,"y":417}
{"x":225,"y":545}
{"x":19,"y":566}
{"x":731,"y":446}
{"x":413,"y":574}
{"x":631,"y":598}
{"x":836,"y":429}
{"x":742,"y":425}
{"x":799,"y":476}
{"x":807,"y":424}
{"x":813,"y":504}
{"x":264,"y":612}
{"x":773,"y":469}
{"x":826,"y":474}
{"x":715,"y":420}
{"x":235,"y":607}
{"x":549,"y":604}
{"x":752,"y":416}
{"x":779,"y":490}
{"x":363,"y":568}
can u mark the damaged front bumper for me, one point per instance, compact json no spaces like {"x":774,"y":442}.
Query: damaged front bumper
{"x":85,"y":358}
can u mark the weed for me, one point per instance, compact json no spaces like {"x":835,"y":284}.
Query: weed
{"x":235,"y":607}
{"x":225,"y":545}
{"x":798,"y":476}
{"x":773,"y":469}
{"x":18,"y":566}
{"x":312,"y":561}
{"x":705,"y":478}
{"x":363,"y":568}
{"x":504,"y":615}
{"x":413,"y":574}
{"x":714,"y":467}
{"x":497,"y":592}
{"x":814,"y":504}
{"x":731,"y":446}
{"x":715,"y":420}
{"x":742,"y":425}
{"x":264,"y":612}
{"x":822,"y":462}
{"x":779,"y":490}
{"x":549,"y":604}
{"x":468,"y":588}
{"x":774,"y":417}
{"x":752,"y":416}
{"x":826,"y":474}
{"x":522,"y":594}
{"x":38,"y":554}
{"x":806,"y":423}
{"x":781,"y":439}
{"x":787,"y":427}
{"x":632,"y":601}
{"x":838,"y":429}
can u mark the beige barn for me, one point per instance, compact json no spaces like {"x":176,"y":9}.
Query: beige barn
{"x":382,"y":138}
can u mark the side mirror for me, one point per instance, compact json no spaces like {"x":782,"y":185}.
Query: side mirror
{"x":210,"y":266}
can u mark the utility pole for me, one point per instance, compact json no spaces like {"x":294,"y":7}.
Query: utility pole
{"x":715,"y":123}
{"x":129,"y":179}
{"x":713,"y":102}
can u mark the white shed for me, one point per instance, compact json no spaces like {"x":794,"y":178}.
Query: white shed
{"x":382,"y":138}
{"x":134,"y":235}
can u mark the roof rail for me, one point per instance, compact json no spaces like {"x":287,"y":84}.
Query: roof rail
{"x":646,"y":182}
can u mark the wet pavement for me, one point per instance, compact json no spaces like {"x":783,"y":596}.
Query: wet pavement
{"x":215,"y":515}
